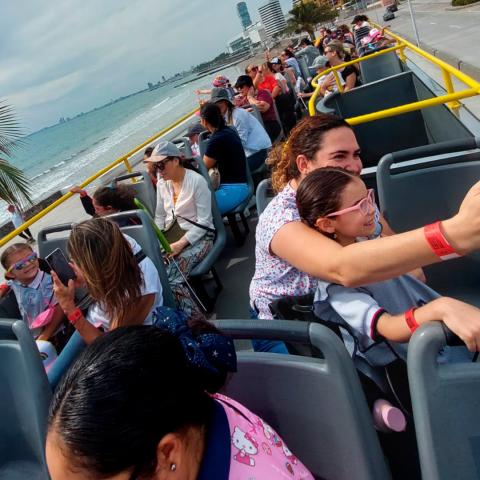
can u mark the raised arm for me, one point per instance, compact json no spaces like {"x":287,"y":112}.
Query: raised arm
{"x":375,"y":260}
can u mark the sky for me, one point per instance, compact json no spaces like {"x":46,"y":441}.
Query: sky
{"x":61,"y":58}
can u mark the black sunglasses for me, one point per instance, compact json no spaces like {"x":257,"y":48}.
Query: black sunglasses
{"x":161,"y":165}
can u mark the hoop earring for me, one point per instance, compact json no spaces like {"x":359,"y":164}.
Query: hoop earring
{"x":173,"y":467}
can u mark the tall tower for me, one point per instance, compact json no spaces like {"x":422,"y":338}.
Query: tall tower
{"x":243,"y":15}
{"x":272,"y":17}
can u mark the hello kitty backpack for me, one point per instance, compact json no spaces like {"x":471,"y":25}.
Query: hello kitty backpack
{"x":257,"y":451}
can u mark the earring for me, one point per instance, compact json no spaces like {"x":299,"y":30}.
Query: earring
{"x":173,"y":467}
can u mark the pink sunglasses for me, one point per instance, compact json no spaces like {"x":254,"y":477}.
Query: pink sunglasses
{"x":363,"y":205}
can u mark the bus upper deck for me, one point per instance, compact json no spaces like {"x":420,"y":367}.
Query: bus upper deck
{"x":427,"y":152}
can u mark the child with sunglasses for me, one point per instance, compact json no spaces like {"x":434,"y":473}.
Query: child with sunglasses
{"x":33,"y":290}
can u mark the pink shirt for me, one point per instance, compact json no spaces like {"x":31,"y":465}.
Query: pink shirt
{"x":257,"y":451}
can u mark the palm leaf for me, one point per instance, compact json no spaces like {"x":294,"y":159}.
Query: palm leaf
{"x":14,"y":186}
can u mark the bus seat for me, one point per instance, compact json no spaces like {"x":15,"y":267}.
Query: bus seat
{"x":183,"y":143}
{"x":307,"y":76}
{"x":264,"y":194}
{"x":446,"y":402}
{"x":144,"y":189}
{"x":9,"y":306}
{"x":48,"y":241}
{"x":239,"y":209}
{"x":207,"y":265}
{"x":434,"y":189}
{"x":253,"y":110}
{"x":383,"y":66}
{"x":316,"y":405}
{"x":144,"y":234}
{"x":24,"y":404}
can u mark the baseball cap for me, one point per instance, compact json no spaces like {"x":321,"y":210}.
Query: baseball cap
{"x":195,"y":129}
{"x":219,"y":94}
{"x":163,"y":150}
{"x":276,"y":61}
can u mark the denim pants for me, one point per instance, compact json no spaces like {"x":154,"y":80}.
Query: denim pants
{"x":68,"y":355}
{"x":272,"y":346}
{"x":230,"y":195}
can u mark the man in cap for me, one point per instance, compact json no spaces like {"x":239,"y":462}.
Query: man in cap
{"x":193,"y":133}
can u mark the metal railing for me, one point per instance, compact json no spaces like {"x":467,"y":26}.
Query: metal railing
{"x":123,"y":159}
{"x":450,"y":98}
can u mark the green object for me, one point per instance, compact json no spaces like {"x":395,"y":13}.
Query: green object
{"x":161,"y":237}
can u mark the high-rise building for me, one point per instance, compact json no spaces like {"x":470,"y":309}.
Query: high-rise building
{"x":296,"y":2}
{"x":243,"y":14}
{"x":272,"y":17}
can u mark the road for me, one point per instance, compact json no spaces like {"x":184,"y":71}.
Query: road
{"x":452,"y":35}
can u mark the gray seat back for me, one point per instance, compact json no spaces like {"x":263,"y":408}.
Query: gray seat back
{"x":304,"y":69}
{"x":253,"y":110}
{"x":446,"y":404}
{"x":183,"y":143}
{"x":263,"y":195}
{"x":24,"y":400}
{"x":415,"y":194}
{"x":383,"y":66}
{"x":144,"y":189}
{"x":316,"y":405}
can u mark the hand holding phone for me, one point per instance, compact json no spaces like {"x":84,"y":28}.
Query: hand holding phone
{"x":59,"y":264}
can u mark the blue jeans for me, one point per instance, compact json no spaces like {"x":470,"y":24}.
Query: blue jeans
{"x":230,"y":195}
{"x":271,"y":346}
{"x":69,"y":353}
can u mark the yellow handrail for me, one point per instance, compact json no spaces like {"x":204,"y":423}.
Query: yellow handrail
{"x":451,"y":98}
{"x":110,"y":166}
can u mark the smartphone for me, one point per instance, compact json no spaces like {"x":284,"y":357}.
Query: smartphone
{"x":59,"y":264}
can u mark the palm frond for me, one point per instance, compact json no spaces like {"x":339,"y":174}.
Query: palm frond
{"x":14,"y":186}
{"x":10,"y":130}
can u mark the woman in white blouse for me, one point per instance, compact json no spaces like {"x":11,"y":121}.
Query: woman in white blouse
{"x":183,"y":196}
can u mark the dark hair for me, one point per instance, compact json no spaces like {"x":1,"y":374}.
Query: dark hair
{"x":288,"y":53}
{"x":120,"y":197}
{"x":16,"y":247}
{"x":148,"y":152}
{"x":126,"y":391}
{"x":306,"y":138}
{"x":305,"y":41}
{"x":319,"y":193}
{"x":244,"y":81}
{"x":212,"y":114}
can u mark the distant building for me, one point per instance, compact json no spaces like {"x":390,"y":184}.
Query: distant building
{"x":296,"y":2}
{"x":272,"y":17}
{"x":243,"y":15}
{"x":252,"y":37}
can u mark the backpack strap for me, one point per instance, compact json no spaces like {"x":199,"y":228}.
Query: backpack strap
{"x":139,"y":256}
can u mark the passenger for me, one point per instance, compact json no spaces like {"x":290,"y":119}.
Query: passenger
{"x":360,"y":21}
{"x":336,"y":56}
{"x":319,"y":65}
{"x":108,"y":200}
{"x":220,"y":81}
{"x":18,"y":219}
{"x":255,"y":139}
{"x":269,"y":80}
{"x":290,"y":256}
{"x":289,"y":59}
{"x":263,"y":100}
{"x":286,"y":72}
{"x":193,"y":133}
{"x":225,"y":152}
{"x":33,"y":289}
{"x":148,"y":166}
{"x":122,"y":282}
{"x":324,"y":38}
{"x":337,"y":204}
{"x":141,"y":404}
{"x":307,"y":51}
{"x":183,"y":197}
{"x":347,"y":34}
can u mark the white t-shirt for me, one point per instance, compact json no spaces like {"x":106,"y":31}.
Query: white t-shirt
{"x":151,"y":284}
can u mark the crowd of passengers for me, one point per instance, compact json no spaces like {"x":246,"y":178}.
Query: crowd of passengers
{"x":136,"y":383}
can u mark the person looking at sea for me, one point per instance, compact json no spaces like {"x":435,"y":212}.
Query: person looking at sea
{"x":18,"y":220}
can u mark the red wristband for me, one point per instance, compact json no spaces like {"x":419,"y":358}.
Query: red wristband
{"x":410,"y":319}
{"x":438,"y":243}
{"x":74,"y":316}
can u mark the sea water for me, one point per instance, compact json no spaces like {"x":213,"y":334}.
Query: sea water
{"x":67,"y":153}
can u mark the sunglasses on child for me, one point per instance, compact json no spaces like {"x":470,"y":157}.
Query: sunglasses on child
{"x":21,"y":264}
{"x":364,"y":206}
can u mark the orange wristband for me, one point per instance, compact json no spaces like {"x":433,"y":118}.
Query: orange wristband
{"x":410,"y":319}
{"x":438,"y":243}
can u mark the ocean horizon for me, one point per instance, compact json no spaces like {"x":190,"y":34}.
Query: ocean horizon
{"x":65,"y":154}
